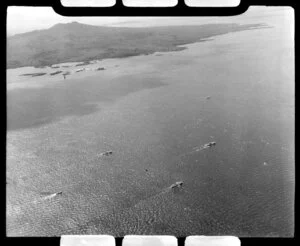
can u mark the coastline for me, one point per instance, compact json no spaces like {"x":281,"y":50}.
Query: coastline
{"x":112,"y":66}
{"x":173,"y":42}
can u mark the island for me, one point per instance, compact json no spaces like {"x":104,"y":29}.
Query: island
{"x":33,"y":74}
{"x":57,"y":72}
{"x":73,"y":42}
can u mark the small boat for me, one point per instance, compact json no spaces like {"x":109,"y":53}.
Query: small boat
{"x":208,"y":145}
{"x":211,"y":144}
{"x":50,"y":196}
{"x":178,"y":184}
{"x":106,"y":153}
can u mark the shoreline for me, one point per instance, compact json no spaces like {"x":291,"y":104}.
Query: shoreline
{"x":108,"y":64}
{"x":142,"y":50}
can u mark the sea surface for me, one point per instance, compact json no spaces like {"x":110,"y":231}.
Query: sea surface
{"x":154,"y":112}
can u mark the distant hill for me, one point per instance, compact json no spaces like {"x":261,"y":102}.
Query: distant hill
{"x":80,"y":42}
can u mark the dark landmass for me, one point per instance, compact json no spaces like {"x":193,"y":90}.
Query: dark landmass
{"x":56,"y":73}
{"x":100,"y":69}
{"x":33,"y":74}
{"x":80,"y":42}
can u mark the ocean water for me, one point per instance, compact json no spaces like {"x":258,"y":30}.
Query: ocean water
{"x":152,"y":112}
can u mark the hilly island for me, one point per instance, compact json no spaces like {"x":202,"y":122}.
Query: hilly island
{"x":74,"y":42}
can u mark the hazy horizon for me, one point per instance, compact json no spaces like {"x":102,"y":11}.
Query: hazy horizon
{"x":26,"y":19}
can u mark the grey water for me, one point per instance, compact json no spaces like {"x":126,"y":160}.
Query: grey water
{"x":152,"y":112}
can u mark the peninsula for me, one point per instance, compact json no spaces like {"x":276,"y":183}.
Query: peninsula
{"x":74,"y":42}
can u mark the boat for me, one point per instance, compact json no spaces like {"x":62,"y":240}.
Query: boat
{"x":106,"y":153}
{"x":211,"y":144}
{"x":178,"y":184}
{"x":208,"y":145}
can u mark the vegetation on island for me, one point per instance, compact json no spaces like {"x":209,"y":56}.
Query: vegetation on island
{"x":73,"y":42}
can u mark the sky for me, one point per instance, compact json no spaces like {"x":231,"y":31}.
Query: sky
{"x":25,"y":19}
